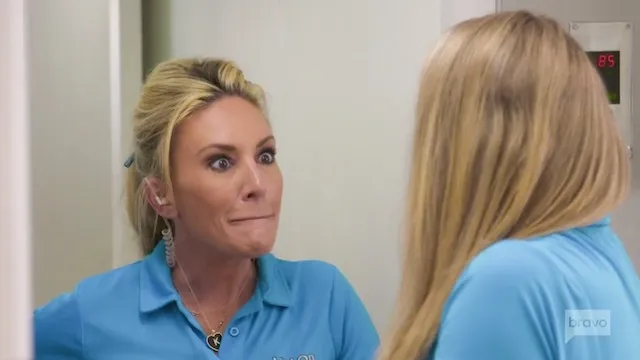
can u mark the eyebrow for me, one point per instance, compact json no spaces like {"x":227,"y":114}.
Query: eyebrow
{"x":231,"y":148}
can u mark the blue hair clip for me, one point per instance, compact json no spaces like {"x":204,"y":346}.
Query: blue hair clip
{"x":129,"y":161}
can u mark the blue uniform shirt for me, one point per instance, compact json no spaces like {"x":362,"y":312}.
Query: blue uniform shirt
{"x":300,"y":311}
{"x":572,"y":295}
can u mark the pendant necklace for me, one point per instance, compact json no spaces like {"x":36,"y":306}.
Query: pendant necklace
{"x":214,"y":338}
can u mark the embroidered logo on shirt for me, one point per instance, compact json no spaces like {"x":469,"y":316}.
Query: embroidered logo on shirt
{"x":299,"y":357}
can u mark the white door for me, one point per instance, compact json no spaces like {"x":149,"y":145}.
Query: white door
{"x":15,"y":248}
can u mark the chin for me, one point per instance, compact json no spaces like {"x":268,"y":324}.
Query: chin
{"x":253,"y":239}
{"x":258,"y":247}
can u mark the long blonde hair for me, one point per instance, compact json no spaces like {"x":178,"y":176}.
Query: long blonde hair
{"x":173,"y":91}
{"x":514,"y":139}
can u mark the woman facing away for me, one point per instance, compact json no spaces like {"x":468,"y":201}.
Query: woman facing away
{"x":517,"y":162}
{"x":204,"y":192}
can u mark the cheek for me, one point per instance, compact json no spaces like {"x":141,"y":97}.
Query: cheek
{"x":276,"y":185}
{"x":204,"y":197}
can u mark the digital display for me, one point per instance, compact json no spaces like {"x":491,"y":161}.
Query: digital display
{"x":608,"y":65}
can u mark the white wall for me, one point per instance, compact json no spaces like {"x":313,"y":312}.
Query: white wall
{"x":342,"y":78}
{"x":76,"y":136}
{"x":455,"y":11}
{"x":68,"y":79}
{"x":126,"y":73}
{"x":15,"y":254}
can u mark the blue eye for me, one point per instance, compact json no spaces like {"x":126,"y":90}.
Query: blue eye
{"x":221,"y":163}
{"x":267,"y":157}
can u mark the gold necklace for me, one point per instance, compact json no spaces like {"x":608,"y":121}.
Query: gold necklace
{"x":214,"y":338}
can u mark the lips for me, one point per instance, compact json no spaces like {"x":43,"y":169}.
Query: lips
{"x":250,"y":218}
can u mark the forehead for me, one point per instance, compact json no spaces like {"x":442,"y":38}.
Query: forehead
{"x":230,"y":121}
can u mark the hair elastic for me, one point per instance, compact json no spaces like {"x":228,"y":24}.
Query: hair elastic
{"x":129,"y":161}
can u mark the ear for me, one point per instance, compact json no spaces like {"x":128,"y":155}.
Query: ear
{"x":157,"y":196}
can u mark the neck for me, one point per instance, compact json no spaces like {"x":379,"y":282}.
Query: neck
{"x":215,"y":279}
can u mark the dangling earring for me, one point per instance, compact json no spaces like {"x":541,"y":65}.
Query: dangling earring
{"x":169,"y":246}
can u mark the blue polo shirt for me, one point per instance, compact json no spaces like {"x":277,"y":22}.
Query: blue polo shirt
{"x":303,"y":310}
{"x":572,"y":295}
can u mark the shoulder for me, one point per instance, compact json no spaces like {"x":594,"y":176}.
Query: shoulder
{"x":315,"y":271}
{"x":108,"y":285}
{"x":509,"y":301}
{"x":510,"y":271}
{"x":59,"y":324}
{"x":512,"y":261}
{"x":547,"y":264}
{"x":58,"y":328}
{"x":96,"y":288}
{"x":314,"y":276}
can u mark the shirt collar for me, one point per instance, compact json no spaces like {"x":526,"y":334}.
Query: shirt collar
{"x":157,"y":290}
{"x":606,"y":221}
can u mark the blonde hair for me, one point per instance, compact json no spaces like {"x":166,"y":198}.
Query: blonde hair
{"x":173,"y":91}
{"x":514,"y":139}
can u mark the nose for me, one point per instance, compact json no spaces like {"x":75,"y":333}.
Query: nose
{"x":253,"y":184}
